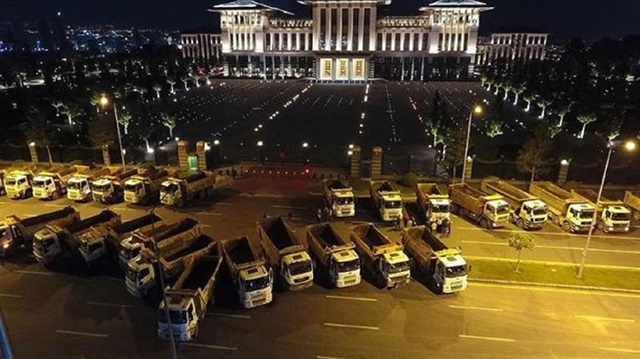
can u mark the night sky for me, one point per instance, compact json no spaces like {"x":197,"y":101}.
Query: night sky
{"x":591,"y":19}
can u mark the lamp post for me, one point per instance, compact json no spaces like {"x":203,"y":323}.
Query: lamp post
{"x":477,"y":110}
{"x":629,"y":146}
{"x":104,"y":101}
{"x":260,"y":146}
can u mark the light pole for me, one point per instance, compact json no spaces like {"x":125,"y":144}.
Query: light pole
{"x":260,"y":146}
{"x":477,"y":110}
{"x":629,"y":146}
{"x":104,"y":101}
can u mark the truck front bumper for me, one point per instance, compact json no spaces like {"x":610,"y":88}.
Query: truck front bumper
{"x":187,"y":336}
{"x":348,"y":281}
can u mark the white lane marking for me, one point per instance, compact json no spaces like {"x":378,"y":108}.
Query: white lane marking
{"x":114,"y":305}
{"x":553,"y":290}
{"x":33,"y":272}
{"x":326,"y":357}
{"x":241,"y":316}
{"x":208,"y":346}
{"x":338,"y":325}
{"x":3,"y":295}
{"x":209,"y":213}
{"x":288,"y":207}
{"x":557,"y":247}
{"x":224,"y":204}
{"x":53,"y":205}
{"x":548,"y":233}
{"x":594,"y":317}
{"x":30,"y":215}
{"x":622,"y":350}
{"x":476,"y":308}
{"x":97,"y":335}
{"x":206,"y":225}
{"x":3,"y":203}
{"x":495,"y":339}
{"x":363,"y":299}
{"x":124,"y":209}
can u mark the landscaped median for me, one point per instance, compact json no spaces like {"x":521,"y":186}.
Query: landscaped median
{"x":554,"y":273}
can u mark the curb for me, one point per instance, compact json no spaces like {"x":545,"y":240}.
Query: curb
{"x":552,"y":285}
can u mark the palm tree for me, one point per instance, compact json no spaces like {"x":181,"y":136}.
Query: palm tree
{"x":195,"y":79}
{"x":72,"y":110}
{"x":169,"y":121}
{"x":517,"y":90}
{"x":529,"y":98}
{"x":586,"y":119}
{"x":124,"y":118}
{"x":507,"y":87}
{"x":484,"y":78}
{"x":562,"y":110}
{"x":543,"y":103}
{"x":172,"y":83}
{"x":57,"y":105}
{"x":141,"y":90}
{"x":184,"y":79}
{"x":39,"y":129}
{"x":95,"y":101}
{"x":157,"y":88}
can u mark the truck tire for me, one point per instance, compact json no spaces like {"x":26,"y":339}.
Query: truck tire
{"x":3,"y":191}
{"x":566,"y":227}
{"x":180,"y":203}
{"x":455,"y":209}
{"x":556,"y":220}
{"x":484,"y":223}
{"x":520,"y":223}
{"x":55,"y":195}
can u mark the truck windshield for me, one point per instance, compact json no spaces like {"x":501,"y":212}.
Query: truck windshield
{"x":457,"y":271}
{"x":349,"y":266}
{"x":300,"y":268}
{"x":40,"y":184}
{"x":392,"y":204}
{"x":170,"y":188}
{"x":76,"y":185}
{"x":11,"y":182}
{"x":620,"y":216}
{"x":440,"y":208}
{"x":503,"y":209}
{"x":102,"y":188}
{"x":177,"y":316}
{"x":131,"y":274}
{"x":586,"y":214}
{"x":343,"y":201}
{"x":131,"y":187}
{"x":256,"y":284}
{"x":396,"y":268}
{"x":538,"y":211}
{"x":128,"y":253}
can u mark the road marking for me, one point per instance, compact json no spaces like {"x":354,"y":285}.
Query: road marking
{"x":363,"y":299}
{"x":546,"y":233}
{"x":476,"y":308}
{"x":288,"y":207}
{"x":224,"y":204}
{"x":53,"y":205}
{"x":326,"y":357}
{"x":622,"y":350}
{"x":10,"y":295}
{"x":124,"y":209}
{"x":241,"y":316}
{"x":114,"y":305}
{"x":593,"y":317}
{"x":33,"y":272}
{"x":337,"y":325}
{"x":494,"y":339}
{"x":3,"y":203}
{"x":208,"y":346}
{"x":553,"y":290}
{"x":556,"y":247}
{"x":30,"y":215}
{"x":97,"y":335}
{"x":209,"y":213}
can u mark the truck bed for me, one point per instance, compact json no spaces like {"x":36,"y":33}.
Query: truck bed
{"x":336,"y":184}
{"x":469,"y":191}
{"x":195,"y":177}
{"x":276,"y":229}
{"x":327,"y":237}
{"x":201,"y":242}
{"x":507,"y":190}
{"x":240,"y":251}
{"x":101,"y":217}
{"x":200,"y":273}
{"x":416,"y":246}
{"x":48,"y":217}
{"x":176,"y":228}
{"x":384,"y":187}
{"x":139,"y":222}
{"x":371,"y":237}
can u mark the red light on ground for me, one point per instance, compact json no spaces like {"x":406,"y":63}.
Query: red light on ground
{"x":306,"y":171}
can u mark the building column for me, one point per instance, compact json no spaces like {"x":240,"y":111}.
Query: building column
{"x":327,"y":35}
{"x":183,"y":155}
{"x":384,"y":41}
{"x":412,"y":67}
{"x":412,"y":46}
{"x":201,"y":153}
{"x":393,"y":41}
{"x":361,"y":30}
{"x":564,"y":172}
{"x":350,"y":38}
{"x":339,"y":32}
{"x":106,"y":156}
{"x":468,"y":170}
{"x":355,"y":162}
{"x":316,"y":28}
{"x":402,"y":75}
{"x":373,"y":34}
{"x":376,"y":162}
{"x":422,"y":70}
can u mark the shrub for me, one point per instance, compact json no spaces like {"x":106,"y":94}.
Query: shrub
{"x":409,"y":179}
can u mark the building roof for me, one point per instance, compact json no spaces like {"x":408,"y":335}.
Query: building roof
{"x":309,"y":2}
{"x":461,"y":3}
{"x":246,"y":5}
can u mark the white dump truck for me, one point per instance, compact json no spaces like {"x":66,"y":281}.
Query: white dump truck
{"x":445,"y":267}
{"x":491,"y":211}
{"x":178,"y":191}
{"x":613,"y":216}
{"x":104,"y":242}
{"x":286,"y":253}
{"x":527,"y":210}
{"x":16,"y":232}
{"x":79,"y":184}
{"x":110,"y":188}
{"x":145,"y":187}
{"x":142,"y":272}
{"x":338,"y":196}
{"x":386,"y":200}
{"x":335,"y":254}
{"x":188,"y":299}
{"x":434,"y":203}
{"x":248,"y":269}
{"x":564,"y":209}
{"x":19,"y":184}
{"x":52,"y":184}
{"x":163,"y":236}
{"x":384,"y":258}
{"x":54,"y":244}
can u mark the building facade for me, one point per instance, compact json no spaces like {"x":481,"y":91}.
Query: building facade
{"x":512,"y":46}
{"x":344,"y":40}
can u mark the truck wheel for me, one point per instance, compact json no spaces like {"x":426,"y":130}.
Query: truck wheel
{"x":54,"y":195}
{"x":484,"y":223}
{"x":566,"y":227}
{"x":202,"y":194}
{"x":520,"y":223}
{"x":2,"y":192}
{"x":180,"y":203}
{"x":556,"y":220}
{"x":455,"y":209}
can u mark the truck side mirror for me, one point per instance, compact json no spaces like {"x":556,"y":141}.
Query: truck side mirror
{"x":469,"y":267}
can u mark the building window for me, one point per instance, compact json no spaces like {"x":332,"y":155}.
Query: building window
{"x":285,"y":41}
{"x":425,"y":41}
{"x":379,"y":42}
{"x":366,"y":36}
{"x":345,"y":28}
{"x":398,"y":42}
{"x":356,"y":28}
{"x":416,"y":42}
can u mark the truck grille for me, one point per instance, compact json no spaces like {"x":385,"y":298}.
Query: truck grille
{"x":301,"y":280}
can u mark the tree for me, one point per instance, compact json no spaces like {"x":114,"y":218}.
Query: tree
{"x":172,"y":83}
{"x":562,"y":109}
{"x":184,"y":79}
{"x":529,"y":97}
{"x":95,"y":101}
{"x":157,"y":88}
{"x":455,"y":145}
{"x":58,"y":106}
{"x":520,"y":241}
{"x":495,"y":118}
{"x":39,"y":130}
{"x":535,"y":155}
{"x":517,"y":90}
{"x":124,"y":118}
{"x":586,"y":119}
{"x":72,"y":110}
{"x":543,"y":103}
{"x":102,"y":130}
{"x":493,"y":128}
{"x":169,"y":121}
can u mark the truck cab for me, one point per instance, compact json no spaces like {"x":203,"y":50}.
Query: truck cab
{"x":579,"y":217}
{"x":438,"y":210}
{"x":105,"y":189}
{"x":9,"y":235}
{"x":183,"y":316}
{"x":134,"y":190}
{"x":78,"y":189}
{"x":140,"y":275}
{"x":171,"y":191}
{"x":395,"y":268}
{"x":297,"y":269}
{"x":390,"y":207}
{"x":48,"y":186}
{"x":255,"y":286}
{"x":615,"y":219}
{"x":342,"y":204}
{"x":344,"y":268}
{"x":47,"y":243}
{"x":19,"y":184}
{"x":497,"y":211}
{"x":451,"y":272}
{"x":532,"y":213}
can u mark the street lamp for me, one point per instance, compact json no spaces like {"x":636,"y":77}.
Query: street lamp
{"x":260,"y":145}
{"x":104,"y":101}
{"x":477,"y":109}
{"x":629,"y":146}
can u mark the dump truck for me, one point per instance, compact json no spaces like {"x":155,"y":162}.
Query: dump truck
{"x":338,"y":197}
{"x":286,"y":253}
{"x":163,"y":236}
{"x":612,"y":216}
{"x":386,"y":200}
{"x":19,"y":184}
{"x":384,"y":258}
{"x":491,"y":211}
{"x":248,"y":269}
{"x":444,"y":266}
{"x":16,"y":232}
{"x":527,"y":210}
{"x":632,"y":200}
{"x":52,"y":184}
{"x":188,"y":299}
{"x":178,"y":191}
{"x":335,"y":254}
{"x":564,"y":209}
{"x":145,"y":187}
{"x":100,"y":242}
{"x":142,"y":272}
{"x":54,"y":243}
{"x":79,"y":184}
{"x":110,"y":188}
{"x":434,"y":203}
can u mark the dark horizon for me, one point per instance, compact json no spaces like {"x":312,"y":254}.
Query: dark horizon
{"x":557,"y":18}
